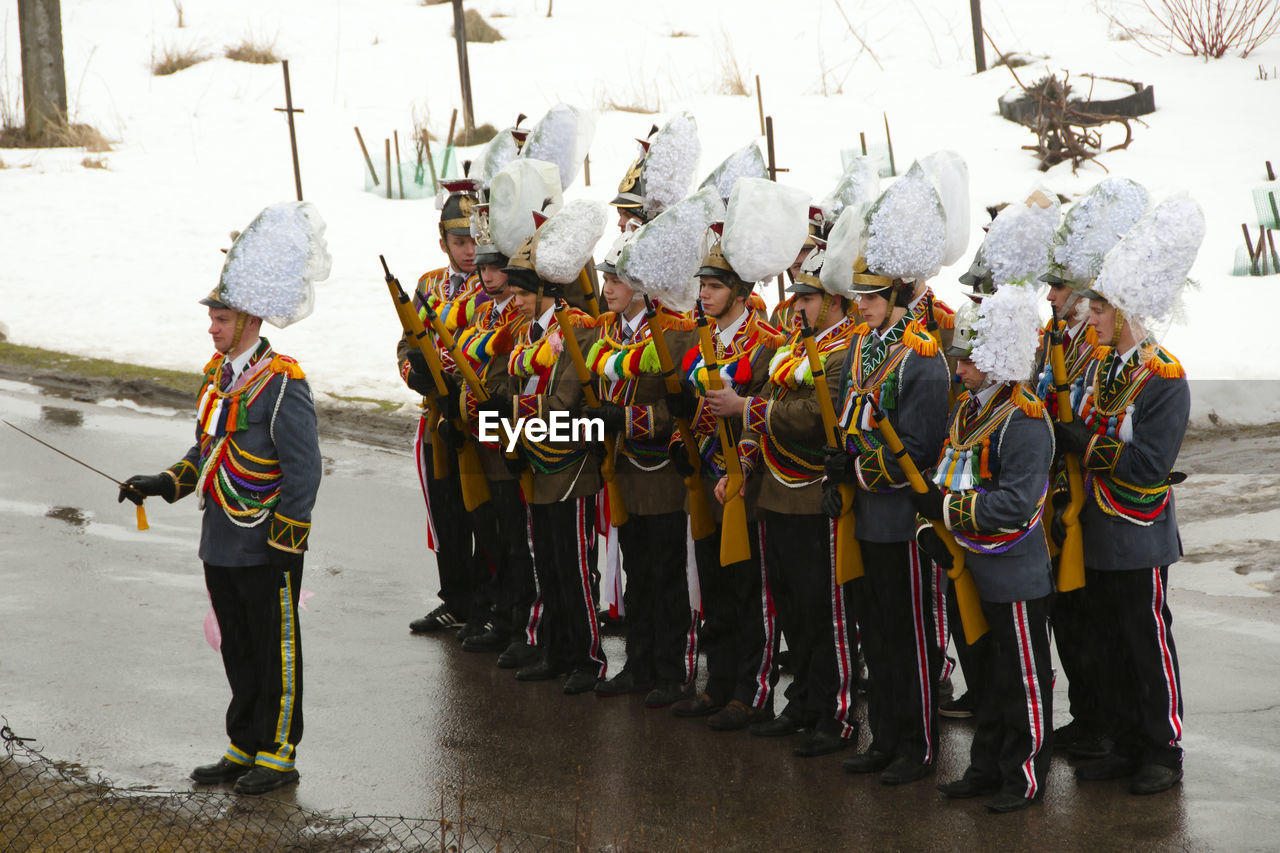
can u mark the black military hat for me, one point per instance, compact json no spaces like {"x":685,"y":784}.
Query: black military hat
{"x":455,"y":215}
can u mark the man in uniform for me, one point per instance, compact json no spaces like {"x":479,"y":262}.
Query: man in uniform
{"x":783,"y":438}
{"x":452,"y":291}
{"x":256,"y":464}
{"x":566,"y":477}
{"x":738,"y":634}
{"x":660,"y":634}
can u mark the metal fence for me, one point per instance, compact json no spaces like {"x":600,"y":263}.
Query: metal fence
{"x":47,"y":805}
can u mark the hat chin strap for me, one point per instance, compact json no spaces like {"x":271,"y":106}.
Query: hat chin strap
{"x":241,"y":319}
{"x":1117,"y":327}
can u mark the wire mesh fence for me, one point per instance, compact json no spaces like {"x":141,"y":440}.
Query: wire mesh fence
{"x":47,"y":805}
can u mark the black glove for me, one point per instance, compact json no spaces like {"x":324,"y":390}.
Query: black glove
{"x":929,"y":541}
{"x":283,"y":561}
{"x":680,"y":459}
{"x":611,"y":414}
{"x":832,"y":502}
{"x":683,"y":403}
{"x":516,"y":463}
{"x":930,"y":503}
{"x":418,"y":361}
{"x":147,"y":485}
{"x":420,"y":382}
{"x":1057,"y":529}
{"x":1072,"y":437}
{"x":499,"y":404}
{"x":840,"y":467}
{"x":450,"y":434}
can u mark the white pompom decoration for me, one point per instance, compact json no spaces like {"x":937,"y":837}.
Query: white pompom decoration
{"x":662,"y":257}
{"x":765,"y":226}
{"x":520,"y":188}
{"x":567,"y":240}
{"x":272,"y":266}
{"x":1007,"y":333}
{"x":563,"y":136}
{"x":670,"y":163}
{"x":950,"y":176}
{"x":907,"y":229}
{"x":746,"y":162}
{"x":1095,"y":224}
{"x":1016,"y":248}
{"x":844,"y":245}
{"x":1144,"y":273}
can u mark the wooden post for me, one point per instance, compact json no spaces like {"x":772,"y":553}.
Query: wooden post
{"x":1271,"y":197}
{"x":44,"y":80}
{"x":448,"y":146}
{"x":586,"y":169}
{"x":288,"y":110}
{"x":388,"y":143}
{"x":773,"y":176}
{"x":979,"y":50}
{"x":1275,"y":259}
{"x":464,"y":70}
{"x":862,"y":139}
{"x":887,"y":138}
{"x":760,"y":104}
{"x":431,"y":163}
{"x":395,"y":134}
{"x":373,"y":173}
{"x":1248,"y":245}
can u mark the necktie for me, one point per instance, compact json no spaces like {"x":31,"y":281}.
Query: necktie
{"x":227,"y":370}
{"x":974,"y":407}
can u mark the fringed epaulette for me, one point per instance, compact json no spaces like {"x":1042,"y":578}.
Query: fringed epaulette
{"x":579,"y":319}
{"x":672,"y":321}
{"x":756,"y":303}
{"x":919,"y":340}
{"x":769,"y":336}
{"x":1031,"y":405}
{"x":861,"y":329}
{"x":606,"y":318}
{"x":214,"y":362}
{"x":943,"y":316}
{"x":430,"y":277}
{"x":1163,"y":364}
{"x":285,"y":364}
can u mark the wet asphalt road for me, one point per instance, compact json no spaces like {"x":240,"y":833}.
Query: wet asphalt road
{"x":103,"y":659}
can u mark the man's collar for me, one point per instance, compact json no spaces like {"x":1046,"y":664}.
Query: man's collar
{"x":502,"y":306}
{"x":984,"y":395}
{"x":727,"y":334}
{"x":544,"y":322}
{"x":241,"y":361}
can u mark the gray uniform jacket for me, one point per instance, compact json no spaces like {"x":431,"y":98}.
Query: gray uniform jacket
{"x":280,"y":435}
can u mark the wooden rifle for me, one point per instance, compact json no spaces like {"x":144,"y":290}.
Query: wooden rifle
{"x":617,"y":509}
{"x":1071,"y":552}
{"x":735,"y":545}
{"x":848,"y":554}
{"x":475,"y":487}
{"x":701,"y":522}
{"x":970,"y":606}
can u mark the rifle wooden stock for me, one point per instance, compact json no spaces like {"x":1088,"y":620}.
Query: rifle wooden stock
{"x":587,"y":281}
{"x":701,"y":522}
{"x":848,"y":554}
{"x":617,"y":509}
{"x":735,"y":544}
{"x":475,"y":487}
{"x":970,"y":606}
{"x":1071,"y":553}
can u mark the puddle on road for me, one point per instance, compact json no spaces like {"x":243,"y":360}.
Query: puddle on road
{"x":71,"y":515}
{"x":60,"y":416}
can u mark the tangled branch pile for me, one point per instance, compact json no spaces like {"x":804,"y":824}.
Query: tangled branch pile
{"x":1065,"y":129}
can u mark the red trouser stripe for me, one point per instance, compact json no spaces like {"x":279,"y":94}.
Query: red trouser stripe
{"x":1166,"y":659}
{"x":1031,"y":688}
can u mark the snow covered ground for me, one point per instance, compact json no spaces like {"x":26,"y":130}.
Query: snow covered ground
{"x":111,"y":262}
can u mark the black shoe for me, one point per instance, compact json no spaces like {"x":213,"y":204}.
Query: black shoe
{"x":1007,"y":801}
{"x":1089,"y":747}
{"x":779,"y":726}
{"x":609,"y":624}
{"x":971,"y":784}
{"x":667,"y":694}
{"x":871,"y":761}
{"x":472,"y":629}
{"x":489,"y":641}
{"x":821,"y":743}
{"x":701,"y":705}
{"x":621,"y":684}
{"x":904,"y":770}
{"x":222,"y":770}
{"x":580,"y":681}
{"x":1154,"y":778}
{"x":436,"y":620}
{"x":543,"y":670}
{"x":737,"y":715}
{"x":261,"y":779}
{"x":1111,"y":767}
{"x":517,"y":655}
{"x":960,"y":708}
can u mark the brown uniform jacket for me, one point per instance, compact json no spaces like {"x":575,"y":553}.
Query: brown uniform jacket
{"x":487,"y":344}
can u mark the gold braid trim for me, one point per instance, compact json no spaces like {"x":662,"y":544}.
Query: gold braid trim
{"x":184,"y":476}
{"x":288,"y":535}
{"x":1031,"y":405}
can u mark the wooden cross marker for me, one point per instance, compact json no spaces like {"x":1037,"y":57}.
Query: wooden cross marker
{"x":288,"y":110}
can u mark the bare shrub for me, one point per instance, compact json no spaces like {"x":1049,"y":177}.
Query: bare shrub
{"x":1208,"y":28}
{"x":477,"y":135}
{"x":642,"y":98}
{"x":679,"y":34}
{"x":732,"y":79}
{"x":177,"y":7}
{"x":478,"y":29}
{"x":94,"y":163}
{"x":253,"y":49}
{"x":69,"y":135}
{"x":173,"y":59}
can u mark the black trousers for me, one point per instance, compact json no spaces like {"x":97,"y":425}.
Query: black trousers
{"x":564,"y":549}
{"x":799,"y":564}
{"x":1012,"y":741}
{"x":1078,"y":650}
{"x":965,"y":653}
{"x":501,"y":526}
{"x":895,"y":608}
{"x":460,"y":565}
{"x":257,"y":610}
{"x":659,"y":621}
{"x":738,"y":628}
{"x":1141,"y":685}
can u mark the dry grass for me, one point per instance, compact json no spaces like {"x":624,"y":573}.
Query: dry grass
{"x":173,"y":59}
{"x":253,"y":49}
{"x":73,"y":135}
{"x":478,"y":29}
{"x":643,"y":98}
{"x":478,"y":135}
{"x":733,"y":81}
{"x":680,"y":34}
